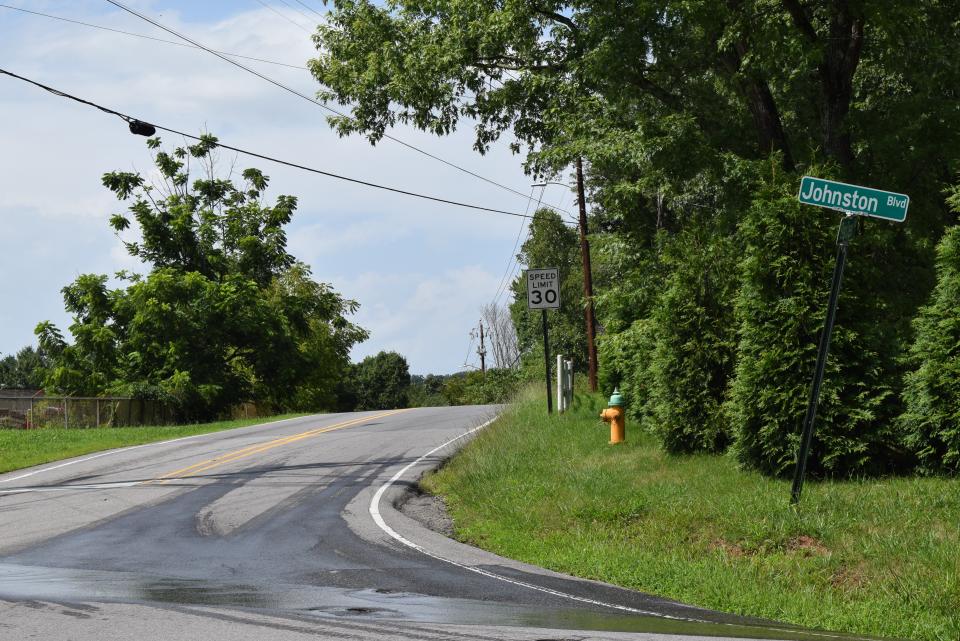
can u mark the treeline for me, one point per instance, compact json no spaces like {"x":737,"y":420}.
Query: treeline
{"x":24,"y":370}
{"x":695,"y":122}
{"x":383,"y":381}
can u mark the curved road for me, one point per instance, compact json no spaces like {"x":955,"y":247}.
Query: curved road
{"x":287,"y":530}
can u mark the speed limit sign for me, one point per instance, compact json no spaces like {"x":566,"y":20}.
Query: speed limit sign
{"x":543,"y":288}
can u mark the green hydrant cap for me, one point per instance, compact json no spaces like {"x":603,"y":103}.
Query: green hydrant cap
{"x":616,"y":400}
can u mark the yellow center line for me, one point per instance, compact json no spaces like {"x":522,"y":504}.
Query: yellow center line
{"x":250,"y":450}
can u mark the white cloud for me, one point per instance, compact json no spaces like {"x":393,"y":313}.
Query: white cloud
{"x":420,"y":270}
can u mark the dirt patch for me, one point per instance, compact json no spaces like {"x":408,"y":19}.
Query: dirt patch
{"x":428,"y":510}
{"x":807,"y":545}
{"x":849,"y":578}
{"x":731,"y":549}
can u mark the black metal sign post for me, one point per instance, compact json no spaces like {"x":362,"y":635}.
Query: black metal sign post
{"x":546,"y":360}
{"x":848,"y":228}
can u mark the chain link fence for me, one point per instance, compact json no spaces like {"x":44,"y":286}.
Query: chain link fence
{"x":31,"y":412}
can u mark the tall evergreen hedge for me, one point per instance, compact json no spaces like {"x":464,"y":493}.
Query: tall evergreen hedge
{"x":780,"y":308}
{"x":931,"y":395}
{"x":692,"y":361}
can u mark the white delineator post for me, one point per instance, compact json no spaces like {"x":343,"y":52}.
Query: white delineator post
{"x":561,"y":387}
{"x":564,"y":383}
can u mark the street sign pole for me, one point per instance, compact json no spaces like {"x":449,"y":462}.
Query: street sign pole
{"x":546,"y":360}
{"x":848,"y":228}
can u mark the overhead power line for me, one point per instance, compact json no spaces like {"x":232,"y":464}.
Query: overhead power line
{"x":309,"y":8}
{"x":504,"y":283}
{"x":293,"y":8}
{"x":146,"y":37}
{"x":322,"y":105}
{"x":265,"y":6}
{"x":136,"y":122}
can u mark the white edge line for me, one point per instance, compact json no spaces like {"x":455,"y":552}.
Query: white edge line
{"x":378,"y":519}
{"x":136,"y":447}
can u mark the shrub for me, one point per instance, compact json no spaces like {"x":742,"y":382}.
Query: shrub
{"x":931,"y":420}
{"x":692,"y":360}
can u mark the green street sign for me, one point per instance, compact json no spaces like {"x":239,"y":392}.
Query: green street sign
{"x":853,"y":199}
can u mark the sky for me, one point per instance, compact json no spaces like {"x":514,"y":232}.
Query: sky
{"x":421,"y":271}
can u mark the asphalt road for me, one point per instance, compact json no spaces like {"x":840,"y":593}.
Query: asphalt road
{"x":288,"y":530}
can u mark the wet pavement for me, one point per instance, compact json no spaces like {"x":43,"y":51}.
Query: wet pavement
{"x":257,"y":523}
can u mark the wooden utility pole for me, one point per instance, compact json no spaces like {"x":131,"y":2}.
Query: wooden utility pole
{"x":587,"y":283}
{"x":483,"y":352}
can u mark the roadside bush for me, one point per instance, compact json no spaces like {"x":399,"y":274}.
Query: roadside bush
{"x":695,"y":338}
{"x":476,"y":388}
{"x":931,"y":420}
{"x":625,"y":363}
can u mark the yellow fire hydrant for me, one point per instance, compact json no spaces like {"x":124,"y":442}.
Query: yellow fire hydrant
{"x":614,"y":415}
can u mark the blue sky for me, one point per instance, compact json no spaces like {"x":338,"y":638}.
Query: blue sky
{"x":420,"y":271}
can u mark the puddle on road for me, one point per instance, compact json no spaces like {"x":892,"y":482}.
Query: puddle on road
{"x":59,"y":584}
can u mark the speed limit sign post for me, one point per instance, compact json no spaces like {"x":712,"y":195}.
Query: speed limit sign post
{"x":543,"y":293}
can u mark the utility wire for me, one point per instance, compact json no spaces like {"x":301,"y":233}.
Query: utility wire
{"x":239,"y":150}
{"x":234,"y":55}
{"x":513,"y":254}
{"x":309,"y":8}
{"x":322,"y":105}
{"x":265,"y":6}
{"x":293,"y":8}
{"x":146,"y":37}
{"x":469,"y":347}
{"x":505,"y":285}
{"x":467,"y":94}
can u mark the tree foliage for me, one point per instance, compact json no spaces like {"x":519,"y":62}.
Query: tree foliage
{"x":224,"y":313}
{"x":24,"y":370}
{"x":931,"y":418}
{"x":427,"y":391}
{"x":497,"y":385}
{"x":381,"y":381}
{"x":698,"y":118}
{"x":551,"y":243}
{"x":691,"y":362}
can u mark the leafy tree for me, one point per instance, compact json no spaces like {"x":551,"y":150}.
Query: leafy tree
{"x":684,"y":82}
{"x":381,"y":382}
{"x":24,"y":370}
{"x":551,"y":243}
{"x":781,"y":306}
{"x":427,"y":391}
{"x":931,"y":418}
{"x":225,"y":314}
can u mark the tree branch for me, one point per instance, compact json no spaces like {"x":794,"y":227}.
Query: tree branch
{"x":801,"y":19}
{"x":516,"y":66}
{"x":558,"y":17}
{"x":761,"y":103}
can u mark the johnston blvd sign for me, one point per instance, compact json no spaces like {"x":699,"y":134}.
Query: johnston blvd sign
{"x":543,"y":288}
{"x":853,"y":199}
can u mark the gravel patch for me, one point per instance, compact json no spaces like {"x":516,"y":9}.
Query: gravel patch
{"x":428,"y":510}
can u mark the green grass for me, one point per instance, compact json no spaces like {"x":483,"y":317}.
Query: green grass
{"x":25,"y":448}
{"x":877,"y":556}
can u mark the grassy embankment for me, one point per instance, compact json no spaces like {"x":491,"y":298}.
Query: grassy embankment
{"x":878,"y":556}
{"x":24,"y":448}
